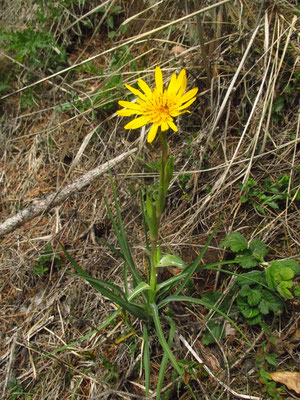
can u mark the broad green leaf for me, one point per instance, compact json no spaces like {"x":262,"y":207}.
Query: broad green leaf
{"x":287,"y":263}
{"x":245,"y":291}
{"x":235,"y":242}
{"x":250,"y":278}
{"x":246,"y":260}
{"x":246,"y":309}
{"x":271,"y":302}
{"x":287,"y":273}
{"x":254,"y":297}
{"x":171,"y":260}
{"x":283,"y":289}
{"x":297,"y":291}
{"x":255,"y":320}
{"x":258,"y":249}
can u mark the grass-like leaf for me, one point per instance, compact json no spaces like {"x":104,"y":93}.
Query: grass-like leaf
{"x":141,"y":287}
{"x":146,"y":359}
{"x":162,"y":339}
{"x":205,"y":304}
{"x":190,"y":270}
{"x":164,"y":361}
{"x":107,"y":289}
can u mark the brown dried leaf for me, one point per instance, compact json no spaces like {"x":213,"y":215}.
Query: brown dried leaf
{"x":177,"y":50}
{"x":290,"y":379}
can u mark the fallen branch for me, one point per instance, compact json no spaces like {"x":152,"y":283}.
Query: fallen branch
{"x":54,"y":199}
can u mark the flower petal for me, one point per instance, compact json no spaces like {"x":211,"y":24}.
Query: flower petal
{"x":164,"y":126}
{"x":173,"y":126}
{"x":136,"y":92}
{"x":188,"y":95}
{"x":187,"y":104}
{"x":175,"y":114}
{"x":180,"y":82}
{"x":183,"y":86}
{"x":145,"y":88}
{"x":172,"y":83}
{"x":137,"y":123}
{"x":152,"y":133}
{"x":128,"y":104}
{"x":159,"y":80}
{"x":127,"y":113}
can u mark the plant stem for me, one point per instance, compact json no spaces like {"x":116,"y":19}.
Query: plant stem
{"x":160,"y":204}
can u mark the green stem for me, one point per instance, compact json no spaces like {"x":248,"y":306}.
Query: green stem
{"x":159,"y":207}
{"x":162,"y":191}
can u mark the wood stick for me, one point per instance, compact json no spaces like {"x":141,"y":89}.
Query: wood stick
{"x":54,"y":199}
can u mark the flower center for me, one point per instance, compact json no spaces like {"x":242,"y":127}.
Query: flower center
{"x":164,"y":109}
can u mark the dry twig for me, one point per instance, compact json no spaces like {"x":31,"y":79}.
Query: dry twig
{"x":54,"y":199}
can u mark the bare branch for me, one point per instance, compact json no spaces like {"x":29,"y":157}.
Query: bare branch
{"x":40,"y":206}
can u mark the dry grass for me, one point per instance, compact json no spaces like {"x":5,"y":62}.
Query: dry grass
{"x":242,"y":65}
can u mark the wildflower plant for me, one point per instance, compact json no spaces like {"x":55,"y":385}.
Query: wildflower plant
{"x":148,"y":297}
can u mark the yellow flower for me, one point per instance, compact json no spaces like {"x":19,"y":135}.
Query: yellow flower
{"x":158,"y":107}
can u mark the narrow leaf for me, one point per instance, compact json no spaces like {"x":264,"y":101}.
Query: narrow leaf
{"x":146,"y":359}
{"x":141,"y":287}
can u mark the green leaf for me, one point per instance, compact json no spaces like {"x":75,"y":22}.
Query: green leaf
{"x":297,"y":291}
{"x":255,"y":320}
{"x":258,"y":249}
{"x":164,"y":361}
{"x":190,"y":269}
{"x":246,"y":309}
{"x":149,"y":206}
{"x":250,"y":278}
{"x":271,"y":359}
{"x":245,"y":291}
{"x":235,"y":241}
{"x":151,"y":225}
{"x":214,"y":333}
{"x":246,"y":259}
{"x":254,"y":297}
{"x":203,"y":303}
{"x":141,"y":287}
{"x":283,"y":289}
{"x":287,"y":273}
{"x":146,"y":359}
{"x":265,"y":377}
{"x":287,"y":263}
{"x":270,"y":302}
{"x":107,"y":289}
{"x":171,"y":260}
{"x":162,"y":339}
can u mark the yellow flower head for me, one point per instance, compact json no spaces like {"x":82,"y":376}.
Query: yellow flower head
{"x":158,"y":107}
